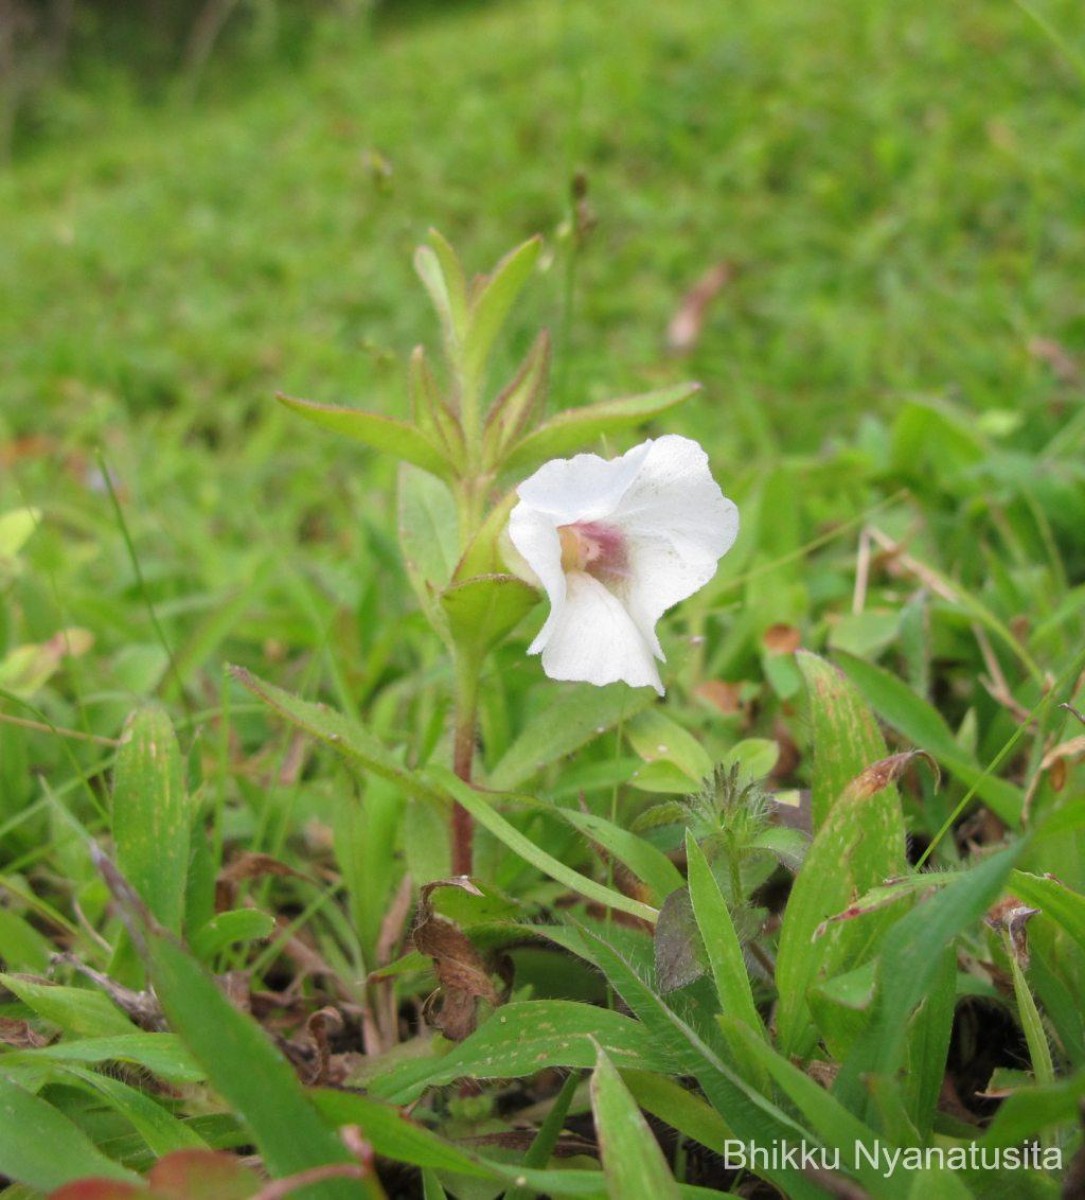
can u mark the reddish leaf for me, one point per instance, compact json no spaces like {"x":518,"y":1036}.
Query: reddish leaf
{"x":202,"y":1175}
{"x":97,"y":1189}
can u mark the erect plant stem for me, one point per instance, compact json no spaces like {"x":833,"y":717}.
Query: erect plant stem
{"x":463,"y":754}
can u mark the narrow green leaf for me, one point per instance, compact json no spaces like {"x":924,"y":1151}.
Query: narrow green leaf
{"x":578,"y":427}
{"x":398,"y":438}
{"x":432,"y":1188}
{"x":541,"y":1149}
{"x":39,"y":1146}
{"x":923,"y":725}
{"x":161,"y":1054}
{"x":1030,"y":1110}
{"x":228,"y":928}
{"x":162,"y":1131}
{"x":479,"y":806}
{"x":429,"y":410}
{"x":151,"y":816}
{"x":79,"y":1011}
{"x":490,"y":305}
{"x":722,"y":947}
{"x":1031,"y":1022}
{"x":514,"y":409}
{"x":450,"y":279}
{"x":632,"y":1160}
{"x":650,"y":865}
{"x":525,"y":1038}
{"x":395,"y":1136}
{"x":929,"y":1035}
{"x":680,"y":1108}
{"x":353,"y":741}
{"x":845,"y":735}
{"x":835,"y":1127}
{"x":570,"y":716}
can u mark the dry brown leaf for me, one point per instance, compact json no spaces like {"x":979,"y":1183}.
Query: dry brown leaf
{"x":248,"y":866}
{"x":881,"y":774}
{"x":1012,"y":916}
{"x":687,"y":324}
{"x":727,"y":697}
{"x":20,"y":1035}
{"x":781,"y":639}
{"x":1048,"y":351}
{"x":462,"y":972}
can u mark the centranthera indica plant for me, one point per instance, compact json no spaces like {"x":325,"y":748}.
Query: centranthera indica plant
{"x":612,"y":544}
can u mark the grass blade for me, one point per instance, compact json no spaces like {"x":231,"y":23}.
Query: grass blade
{"x":41,"y":1147}
{"x":632,"y":1160}
{"x":479,"y":807}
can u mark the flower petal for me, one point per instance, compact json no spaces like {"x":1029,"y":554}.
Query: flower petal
{"x":592,"y":638}
{"x":583,"y":488}
{"x":677,"y":524}
{"x":535,"y":536}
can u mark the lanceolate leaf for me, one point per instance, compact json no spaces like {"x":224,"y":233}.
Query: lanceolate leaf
{"x":513,"y":410}
{"x":354,"y":742}
{"x":578,"y":427}
{"x":398,"y":438}
{"x":835,"y":1127}
{"x":524,"y":1038}
{"x":151,"y":815}
{"x":492,"y":301}
{"x":650,"y":865}
{"x":845,"y":734}
{"x":752,"y":1117}
{"x":722,"y":947}
{"x":858,"y":847}
{"x":394,"y":1135}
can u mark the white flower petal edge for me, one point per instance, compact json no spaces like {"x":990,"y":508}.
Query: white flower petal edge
{"x":615,"y":544}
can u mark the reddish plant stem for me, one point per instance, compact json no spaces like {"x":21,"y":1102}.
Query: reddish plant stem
{"x":463,"y":753}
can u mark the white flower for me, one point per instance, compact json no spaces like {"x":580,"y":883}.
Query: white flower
{"x":615,"y":544}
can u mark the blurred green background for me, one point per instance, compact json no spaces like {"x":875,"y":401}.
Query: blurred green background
{"x":892,"y":191}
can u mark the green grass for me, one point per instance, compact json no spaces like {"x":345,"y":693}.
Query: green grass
{"x":897,"y":189}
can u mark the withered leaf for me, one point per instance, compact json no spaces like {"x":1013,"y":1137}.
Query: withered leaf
{"x":463,"y":973}
{"x":886,"y":771}
{"x":248,"y":866}
{"x":687,"y":324}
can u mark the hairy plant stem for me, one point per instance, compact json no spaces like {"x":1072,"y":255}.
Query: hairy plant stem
{"x":463,"y":753}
